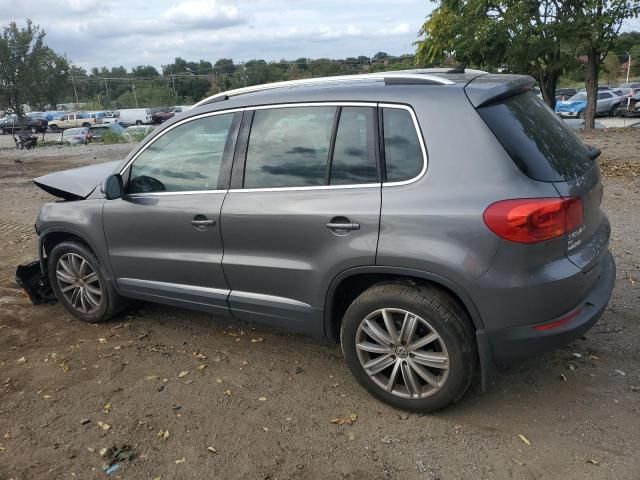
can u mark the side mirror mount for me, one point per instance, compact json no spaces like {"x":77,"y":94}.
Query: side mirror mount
{"x":113,"y":187}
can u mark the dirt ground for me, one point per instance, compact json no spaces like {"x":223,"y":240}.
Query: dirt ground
{"x":256,"y":403}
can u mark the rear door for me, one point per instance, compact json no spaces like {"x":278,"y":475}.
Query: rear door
{"x":303,"y":207}
{"x":163,"y":235}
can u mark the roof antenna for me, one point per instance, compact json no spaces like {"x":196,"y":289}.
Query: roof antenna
{"x":459,"y":68}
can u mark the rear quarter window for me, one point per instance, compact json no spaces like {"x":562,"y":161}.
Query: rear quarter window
{"x":402,"y":151}
{"x":537,"y":140}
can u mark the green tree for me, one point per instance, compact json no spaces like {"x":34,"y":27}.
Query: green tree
{"x":526,"y":36}
{"x":611,"y":68}
{"x":594,"y":29}
{"x":28,"y":68}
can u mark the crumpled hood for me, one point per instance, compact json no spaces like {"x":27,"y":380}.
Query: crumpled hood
{"x":567,"y":106}
{"x":77,"y":183}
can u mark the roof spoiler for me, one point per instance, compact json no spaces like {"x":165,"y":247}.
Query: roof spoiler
{"x":487,"y":89}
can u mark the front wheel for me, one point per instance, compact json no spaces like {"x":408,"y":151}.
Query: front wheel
{"x":410,"y":346}
{"x":80,"y":284}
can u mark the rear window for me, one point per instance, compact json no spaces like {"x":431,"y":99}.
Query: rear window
{"x":537,"y":140}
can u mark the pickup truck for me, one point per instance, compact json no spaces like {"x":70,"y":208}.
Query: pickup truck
{"x":73,"y":120}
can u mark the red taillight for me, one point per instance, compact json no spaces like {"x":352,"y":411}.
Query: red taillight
{"x":532,"y":220}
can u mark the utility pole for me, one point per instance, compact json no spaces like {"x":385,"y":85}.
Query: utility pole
{"x":173,"y":81}
{"x":75,"y":92}
{"x":244,"y":74}
{"x":628,"y":71}
{"x":133,"y":89}
{"x":106,"y":86}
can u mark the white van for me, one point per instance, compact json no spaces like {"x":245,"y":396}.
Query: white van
{"x":135,"y":116}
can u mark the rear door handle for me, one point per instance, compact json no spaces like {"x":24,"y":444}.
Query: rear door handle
{"x":201,"y":222}
{"x":343,"y":226}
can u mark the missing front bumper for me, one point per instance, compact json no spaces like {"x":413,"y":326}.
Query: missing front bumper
{"x":36,"y":283}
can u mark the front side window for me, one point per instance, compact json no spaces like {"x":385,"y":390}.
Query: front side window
{"x":402,"y":151}
{"x":289,"y":147}
{"x":186,"y":158}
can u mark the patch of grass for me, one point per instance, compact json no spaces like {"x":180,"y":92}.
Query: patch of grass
{"x":110,"y":138}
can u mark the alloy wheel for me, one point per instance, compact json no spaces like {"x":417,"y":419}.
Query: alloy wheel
{"x":402,"y":353}
{"x":79,"y":283}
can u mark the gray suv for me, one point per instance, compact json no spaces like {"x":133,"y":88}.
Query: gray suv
{"x":435,"y":222}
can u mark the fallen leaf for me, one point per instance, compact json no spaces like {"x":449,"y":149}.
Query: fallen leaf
{"x":620,"y":372}
{"x":182,"y":374}
{"x":219,"y":380}
{"x":104,"y":426}
{"x":157,"y":478}
{"x":7,"y":435}
{"x":593,"y":357}
{"x":151,"y":377}
{"x":199,"y":356}
{"x":592,"y":461}
{"x":572,"y":367}
{"x":21,"y":361}
{"x":262,"y":399}
{"x":46,"y":397}
{"x":102,"y":340}
{"x":265,"y":429}
{"x":182,"y":460}
{"x":524,"y":439}
{"x":228,"y":392}
{"x":202,"y":367}
{"x":2,"y":449}
{"x":517,"y":462}
{"x":212,"y":450}
{"x":563,"y":377}
{"x":103,"y":451}
{"x":163,"y":434}
{"x":257,"y":340}
{"x":107,"y":407}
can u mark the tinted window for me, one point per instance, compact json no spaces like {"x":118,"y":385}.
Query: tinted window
{"x":604,"y":95}
{"x":289,"y":147}
{"x":402,"y":152}
{"x":354,"y":158}
{"x":537,"y":140}
{"x":183,"y":159}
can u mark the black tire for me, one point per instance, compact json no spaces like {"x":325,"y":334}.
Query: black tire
{"x":138,"y":122}
{"x":443,"y":314}
{"x":86,"y":125}
{"x":110,"y":302}
{"x":54,"y":128}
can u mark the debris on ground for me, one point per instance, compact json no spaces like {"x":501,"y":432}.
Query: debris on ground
{"x":115,"y":454}
{"x":524,"y":439}
{"x":345,"y":421}
{"x":420,"y":466}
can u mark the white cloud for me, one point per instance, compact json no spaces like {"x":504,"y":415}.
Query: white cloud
{"x":203,"y":14}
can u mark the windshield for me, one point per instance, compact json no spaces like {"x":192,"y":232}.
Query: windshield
{"x":578,"y":97}
{"x":537,"y":140}
{"x":75,"y":131}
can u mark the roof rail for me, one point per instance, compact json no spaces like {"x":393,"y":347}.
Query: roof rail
{"x":418,"y":76}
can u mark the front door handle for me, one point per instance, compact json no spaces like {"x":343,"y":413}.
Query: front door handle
{"x":202,"y":223}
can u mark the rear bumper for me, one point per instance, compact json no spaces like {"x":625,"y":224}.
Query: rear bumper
{"x":515,"y":343}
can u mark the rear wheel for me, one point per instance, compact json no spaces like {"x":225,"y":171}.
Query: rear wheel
{"x":80,"y":284}
{"x":138,"y":122}
{"x":412,"y":347}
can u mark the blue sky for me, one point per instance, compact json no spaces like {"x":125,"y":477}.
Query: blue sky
{"x":153,"y":32}
{"x":136,"y":32}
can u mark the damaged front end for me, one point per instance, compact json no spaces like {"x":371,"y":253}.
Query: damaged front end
{"x":35,"y":283}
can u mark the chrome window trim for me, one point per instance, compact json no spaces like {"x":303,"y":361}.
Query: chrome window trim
{"x":302,"y":188}
{"x":420,"y":139}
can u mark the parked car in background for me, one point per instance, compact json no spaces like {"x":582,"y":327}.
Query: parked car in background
{"x":75,"y":136}
{"x":137,"y":133}
{"x":565,"y":93}
{"x":74,"y":120}
{"x":97,"y":132}
{"x":34,"y":124}
{"x":578,"y":124}
{"x":161,"y":115}
{"x":576,"y":106}
{"x":318,"y":210}
{"x":180,"y":109}
{"x":111,"y":117}
{"x":135,"y":116}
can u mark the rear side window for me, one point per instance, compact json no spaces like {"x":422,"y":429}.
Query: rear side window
{"x":301,"y":147}
{"x":537,"y":140}
{"x":354,"y":159}
{"x":289,"y":147}
{"x":402,"y":152}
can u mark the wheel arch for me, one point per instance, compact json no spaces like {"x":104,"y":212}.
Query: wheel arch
{"x":50,"y":238}
{"x":346,"y":286}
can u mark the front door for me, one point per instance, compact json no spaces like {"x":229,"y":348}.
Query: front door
{"x":163,"y":235}
{"x":304,"y":206}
